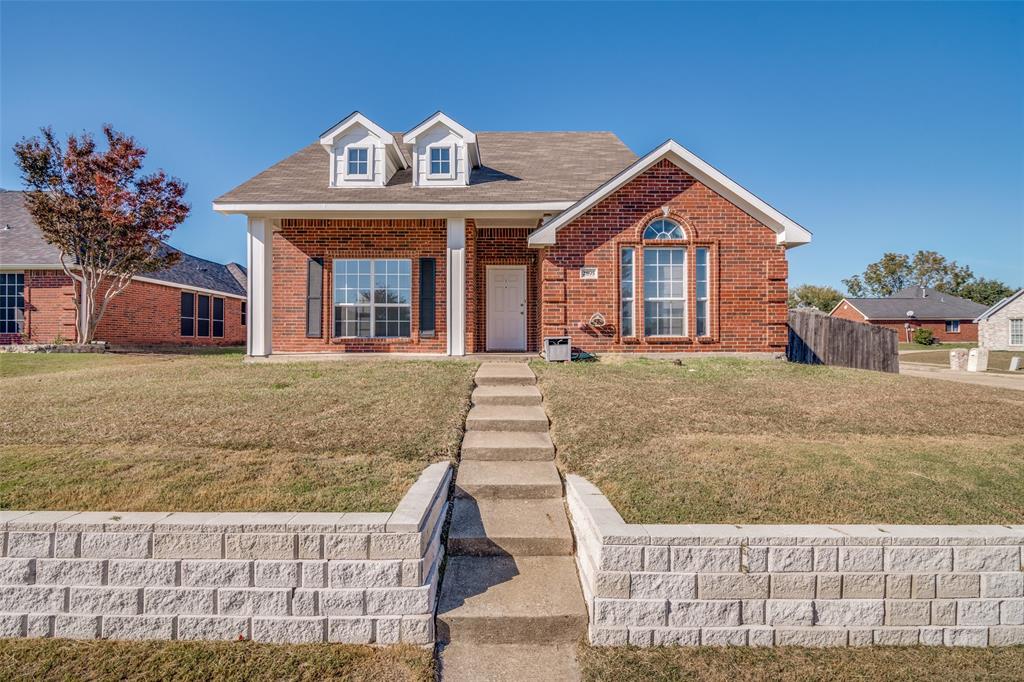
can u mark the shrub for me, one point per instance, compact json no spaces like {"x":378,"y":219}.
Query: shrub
{"x":924,"y":337}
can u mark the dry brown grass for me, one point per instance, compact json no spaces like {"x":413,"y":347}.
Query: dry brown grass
{"x":734,"y":441}
{"x":790,"y":664}
{"x":209,"y":433}
{"x":56,"y":659}
{"x":998,"y":360}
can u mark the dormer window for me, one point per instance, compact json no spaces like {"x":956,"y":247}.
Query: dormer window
{"x":441,"y":162}
{"x":357,"y":162}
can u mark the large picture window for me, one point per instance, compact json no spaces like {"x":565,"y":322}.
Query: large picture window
{"x":372,"y":298}
{"x":12,"y":302}
{"x":665,"y":292}
{"x":627,"y":286}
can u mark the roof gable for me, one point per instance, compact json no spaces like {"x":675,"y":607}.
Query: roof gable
{"x":999,"y":306}
{"x":788,"y":232}
{"x":358,"y":120}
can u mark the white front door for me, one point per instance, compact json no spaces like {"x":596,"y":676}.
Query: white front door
{"x":506,"y":307}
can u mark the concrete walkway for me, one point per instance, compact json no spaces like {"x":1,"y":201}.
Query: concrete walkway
{"x":511,"y":607}
{"x":920,"y":369}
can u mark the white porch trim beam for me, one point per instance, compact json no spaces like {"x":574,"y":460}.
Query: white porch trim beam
{"x":456,"y":286}
{"x":259,"y":245}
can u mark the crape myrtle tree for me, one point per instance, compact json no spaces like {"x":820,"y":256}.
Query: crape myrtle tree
{"x":109,"y":221}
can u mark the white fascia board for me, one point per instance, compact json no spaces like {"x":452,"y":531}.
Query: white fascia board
{"x":424,"y":208}
{"x":788,"y":232}
{"x":30,"y":266}
{"x":445,"y":120}
{"x":187,"y":287}
{"x":356,"y":118}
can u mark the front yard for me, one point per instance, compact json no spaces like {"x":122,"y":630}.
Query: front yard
{"x":205,"y":432}
{"x":792,"y":664}
{"x":35,"y":659}
{"x":740,"y":441}
{"x":998,"y":360}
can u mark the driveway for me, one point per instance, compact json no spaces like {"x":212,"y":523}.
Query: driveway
{"x":917,"y":369}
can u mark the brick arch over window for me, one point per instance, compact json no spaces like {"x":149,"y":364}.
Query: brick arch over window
{"x":690,"y":233}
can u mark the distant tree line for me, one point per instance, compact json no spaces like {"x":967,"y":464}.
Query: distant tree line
{"x":895,"y":271}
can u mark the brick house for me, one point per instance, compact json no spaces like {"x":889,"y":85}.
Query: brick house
{"x":443,"y":240}
{"x":950,"y":318}
{"x":1001,"y":327}
{"x":195,"y":302}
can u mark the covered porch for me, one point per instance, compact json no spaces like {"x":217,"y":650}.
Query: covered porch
{"x":440,"y":286}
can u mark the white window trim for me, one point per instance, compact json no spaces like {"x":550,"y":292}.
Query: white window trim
{"x":697,"y":300}
{"x":952,"y":326}
{"x":683,"y":298}
{"x":450,"y":175}
{"x":373,"y":305}
{"x":632,"y":296}
{"x":369,"y":162}
{"x":1009,"y":331}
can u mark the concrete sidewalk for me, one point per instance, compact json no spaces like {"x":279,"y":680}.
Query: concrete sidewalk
{"x":918,"y":369}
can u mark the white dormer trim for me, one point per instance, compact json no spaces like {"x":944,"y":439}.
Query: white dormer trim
{"x":451,"y":161}
{"x":438,"y":131}
{"x":788,"y":232}
{"x":384,"y":155}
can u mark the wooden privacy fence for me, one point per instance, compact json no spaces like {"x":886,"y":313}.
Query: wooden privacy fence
{"x":816,"y":339}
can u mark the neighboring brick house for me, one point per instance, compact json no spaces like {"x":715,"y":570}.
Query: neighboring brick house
{"x":950,"y":318}
{"x":442,"y":240}
{"x":1001,"y":327}
{"x":195,"y":302}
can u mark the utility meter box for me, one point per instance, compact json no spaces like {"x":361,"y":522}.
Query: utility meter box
{"x":557,"y":348}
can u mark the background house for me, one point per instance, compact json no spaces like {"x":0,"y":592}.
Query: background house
{"x":444,"y":240}
{"x":950,"y":318}
{"x":195,"y":302}
{"x":1001,"y":327}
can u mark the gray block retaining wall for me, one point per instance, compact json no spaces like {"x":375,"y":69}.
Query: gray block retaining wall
{"x":273,"y":577}
{"x":800,"y":585}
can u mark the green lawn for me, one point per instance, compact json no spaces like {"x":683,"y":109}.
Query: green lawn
{"x":998,"y":360}
{"x":746,"y":441}
{"x":790,"y":664}
{"x":57,"y":659}
{"x":948,"y":346}
{"x":206,"y":432}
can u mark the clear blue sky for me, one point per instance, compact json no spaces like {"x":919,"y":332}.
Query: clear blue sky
{"x":877,"y":126}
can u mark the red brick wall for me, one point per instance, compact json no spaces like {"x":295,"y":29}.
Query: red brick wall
{"x":150,"y":314}
{"x":968,"y":329}
{"x":748,"y":270}
{"x":144,"y":313}
{"x":504,"y":247}
{"x":301,"y":239}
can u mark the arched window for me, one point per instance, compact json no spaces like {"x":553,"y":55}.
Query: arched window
{"x":664,"y":229}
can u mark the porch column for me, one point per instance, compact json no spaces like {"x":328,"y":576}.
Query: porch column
{"x":260,"y":253}
{"x":456,"y":286}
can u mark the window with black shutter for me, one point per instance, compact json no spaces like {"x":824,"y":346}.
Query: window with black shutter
{"x":218,"y":318}
{"x":314,"y":297}
{"x":428,"y":306}
{"x":188,"y":314}
{"x":202,"y":315}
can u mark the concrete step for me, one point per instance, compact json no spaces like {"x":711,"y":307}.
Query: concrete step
{"x":488,"y":527}
{"x":509,"y":663}
{"x":506,"y":395}
{"x":508,"y":480}
{"x":505,"y":374}
{"x":507,"y":418}
{"x":511,"y":600}
{"x":508,"y":446}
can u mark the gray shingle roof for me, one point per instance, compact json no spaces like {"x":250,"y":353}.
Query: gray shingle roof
{"x":999,"y":305}
{"x":23,"y":244}
{"x":927,"y":304}
{"x":516,"y":167}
